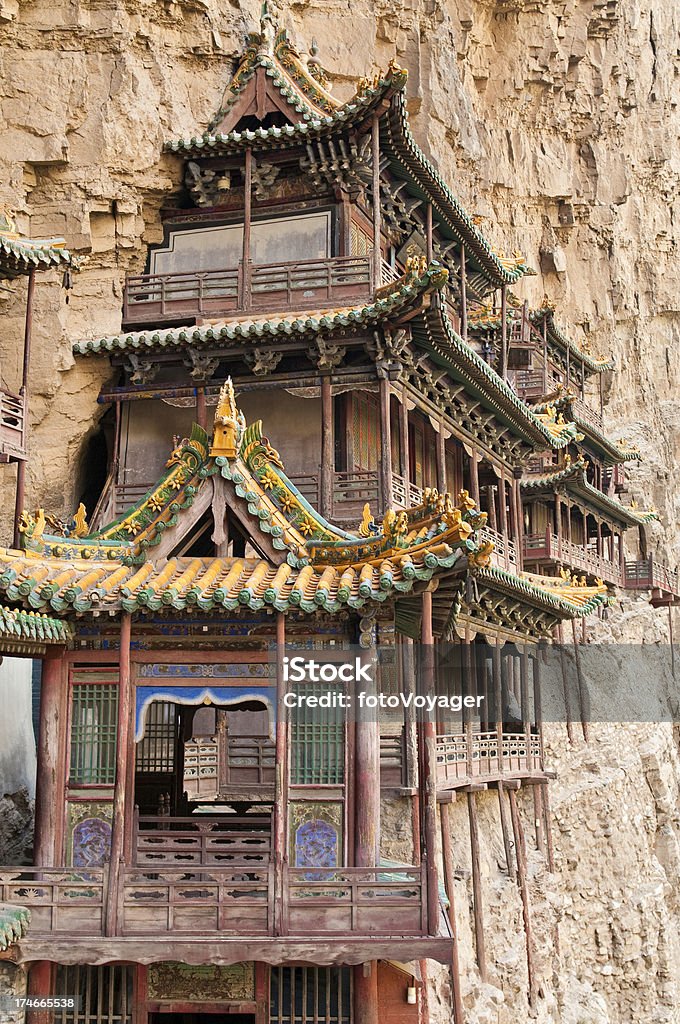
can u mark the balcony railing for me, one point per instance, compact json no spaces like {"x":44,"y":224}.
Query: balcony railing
{"x":304,"y":284}
{"x":462,"y":758}
{"x":504,"y":554}
{"x":220,"y":901}
{"x":650,"y":574}
{"x":403,"y":496}
{"x":229,"y":841}
{"x":547,"y":547}
{"x":12,"y":427}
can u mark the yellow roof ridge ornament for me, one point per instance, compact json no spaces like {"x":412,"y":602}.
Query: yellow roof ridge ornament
{"x":229,"y":424}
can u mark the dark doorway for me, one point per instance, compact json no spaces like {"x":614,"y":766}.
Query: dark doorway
{"x":218,"y":1017}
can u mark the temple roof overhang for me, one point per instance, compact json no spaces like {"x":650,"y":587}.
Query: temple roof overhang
{"x":407,"y":292}
{"x":564,"y":403}
{"x":19,"y":256}
{"x":310,"y":565}
{"x":483,"y":319}
{"x":572,"y":478}
{"x":28,"y":633}
{"x":415,"y":292}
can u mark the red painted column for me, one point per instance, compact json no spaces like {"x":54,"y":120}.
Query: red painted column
{"x":120,"y":787}
{"x":280,"y":783}
{"x":49,"y":768}
{"x":366,"y":837}
{"x":39,"y":985}
{"x":428,"y":783}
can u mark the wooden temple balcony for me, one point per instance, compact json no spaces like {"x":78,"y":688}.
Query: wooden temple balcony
{"x":650,"y":574}
{"x":12,"y":427}
{"x":468,"y":758}
{"x":549,"y":549}
{"x":249,"y":288}
{"x":219,"y":902}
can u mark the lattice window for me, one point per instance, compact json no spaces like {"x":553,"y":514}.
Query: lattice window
{"x":361,"y":243}
{"x":302,"y":995}
{"x":318,"y":742}
{"x":105,"y":995}
{"x":94,"y":717}
{"x":156,"y":749}
{"x":366,"y":432}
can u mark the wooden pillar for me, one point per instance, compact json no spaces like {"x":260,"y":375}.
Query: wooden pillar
{"x":441,"y":459}
{"x":428,"y":783}
{"x":568,"y":507}
{"x":367,"y":788}
{"x":280,"y":782}
{"x":119,"y":791}
{"x":504,"y":515}
{"x":39,"y":985}
{"x":565,"y":685}
{"x":520,"y":850}
{"x":503,"y":369}
{"x":545,"y":354}
{"x":505,"y":830}
{"x":405,"y":466}
{"x":247,"y":222}
{"x":477,"y":901}
{"x":449,"y":885}
{"x":366,"y":994}
{"x":558,"y":523}
{"x":385,"y":445}
{"x":20,"y":497}
{"x":428,"y":233}
{"x":327,"y":447}
{"x":582,"y":695}
{"x":377,"y":212}
{"x":547,"y":818}
{"x":463,"y":296}
{"x":519,"y":518}
{"x":201,"y":413}
{"x":568,"y":365}
{"x":474,"y":477}
{"x":49,"y":769}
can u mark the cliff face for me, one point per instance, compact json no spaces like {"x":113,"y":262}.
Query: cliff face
{"x":556,"y":121}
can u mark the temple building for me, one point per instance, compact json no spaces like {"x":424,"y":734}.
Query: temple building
{"x":330,"y":426}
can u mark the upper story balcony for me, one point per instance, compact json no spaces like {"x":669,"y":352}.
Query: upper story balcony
{"x":549,"y":548}
{"x":650,"y":574}
{"x":12,"y":427}
{"x":250,"y":288}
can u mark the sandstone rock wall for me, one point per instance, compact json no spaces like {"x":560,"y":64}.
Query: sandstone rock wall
{"x":555,"y":120}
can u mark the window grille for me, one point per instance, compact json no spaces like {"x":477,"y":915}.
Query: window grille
{"x":318,"y":742}
{"x":310,"y":995}
{"x":105,"y":994}
{"x":156,"y":749}
{"x":94,"y":720}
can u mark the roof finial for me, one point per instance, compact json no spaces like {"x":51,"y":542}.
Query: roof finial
{"x":229,"y":424}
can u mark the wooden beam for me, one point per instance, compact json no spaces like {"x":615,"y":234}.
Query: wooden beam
{"x":520,"y":850}
{"x":477,"y":901}
{"x":449,"y":885}
{"x":428,"y":783}
{"x":327,"y":447}
{"x":547,"y":818}
{"x":118,"y":824}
